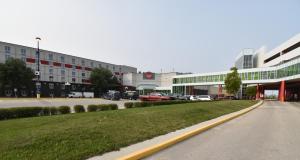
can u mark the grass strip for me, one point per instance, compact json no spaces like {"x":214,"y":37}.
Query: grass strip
{"x":79,"y":136}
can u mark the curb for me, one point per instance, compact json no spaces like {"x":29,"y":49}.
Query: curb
{"x":153,"y":149}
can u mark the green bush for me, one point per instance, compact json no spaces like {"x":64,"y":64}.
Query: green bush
{"x":20,"y":112}
{"x":53,"y":111}
{"x":103,"y":107}
{"x":46,"y":111}
{"x":128,"y":104}
{"x":92,"y":108}
{"x":64,"y":109}
{"x":79,"y":108}
{"x":113,"y":106}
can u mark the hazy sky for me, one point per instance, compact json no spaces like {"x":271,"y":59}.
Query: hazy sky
{"x":187,"y":35}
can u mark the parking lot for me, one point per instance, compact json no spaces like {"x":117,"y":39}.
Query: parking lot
{"x":8,"y":103}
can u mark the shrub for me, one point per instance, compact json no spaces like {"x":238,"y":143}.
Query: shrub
{"x":53,"y":111}
{"x":20,"y":112}
{"x":46,"y":111}
{"x":64,"y":109}
{"x":103,"y":107}
{"x":92,"y":108}
{"x":113,"y":106}
{"x":79,"y":108}
{"x":143,"y":104}
{"x":128,"y":104}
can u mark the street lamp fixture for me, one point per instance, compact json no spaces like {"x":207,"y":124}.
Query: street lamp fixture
{"x":37,"y":73}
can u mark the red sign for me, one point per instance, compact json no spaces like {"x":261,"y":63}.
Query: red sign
{"x":149,"y":75}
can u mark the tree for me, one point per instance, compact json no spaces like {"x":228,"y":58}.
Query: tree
{"x":233,"y":81}
{"x":103,"y":80}
{"x":251,"y":91}
{"x":15,"y":74}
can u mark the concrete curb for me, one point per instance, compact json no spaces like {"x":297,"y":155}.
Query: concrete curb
{"x":153,"y":149}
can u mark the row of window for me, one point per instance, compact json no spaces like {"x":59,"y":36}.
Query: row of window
{"x":259,"y":75}
{"x":7,"y":50}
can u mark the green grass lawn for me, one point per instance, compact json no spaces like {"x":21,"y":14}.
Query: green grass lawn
{"x":83,"y":135}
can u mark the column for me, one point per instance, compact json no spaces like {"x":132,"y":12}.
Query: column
{"x":220,"y":90}
{"x":282,"y":91}
{"x":257,"y":92}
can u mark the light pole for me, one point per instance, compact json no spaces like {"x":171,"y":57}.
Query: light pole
{"x":37,"y":73}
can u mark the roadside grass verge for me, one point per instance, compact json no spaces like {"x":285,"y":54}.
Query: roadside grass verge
{"x":80,"y":136}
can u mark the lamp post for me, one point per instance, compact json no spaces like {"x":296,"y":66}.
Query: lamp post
{"x":37,"y":73}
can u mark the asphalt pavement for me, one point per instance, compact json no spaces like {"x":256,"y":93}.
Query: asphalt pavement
{"x":268,"y":132}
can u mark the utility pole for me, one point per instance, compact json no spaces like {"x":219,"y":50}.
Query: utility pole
{"x":37,"y":72}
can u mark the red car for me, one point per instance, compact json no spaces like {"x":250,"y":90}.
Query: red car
{"x":154,"y":97}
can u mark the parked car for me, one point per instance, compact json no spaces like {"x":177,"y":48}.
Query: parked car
{"x":132,"y":95}
{"x":204,"y":98}
{"x":154,"y":97}
{"x":193,"y":98}
{"x":174,"y":96}
{"x":184,"y":97}
{"x":112,"y":95}
{"x":81,"y":94}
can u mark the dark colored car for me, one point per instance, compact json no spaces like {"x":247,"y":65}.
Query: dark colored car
{"x":132,"y":95}
{"x":112,"y":95}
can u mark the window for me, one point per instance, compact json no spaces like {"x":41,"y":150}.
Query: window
{"x":113,"y":67}
{"x":63,"y":79}
{"x":51,"y":86}
{"x":63,"y":72}
{"x":92,"y":64}
{"x":62,"y":59}
{"x":82,"y":63}
{"x":120,"y":69}
{"x":51,"y":78}
{"x":7,"y":49}
{"x":73,"y":60}
{"x":50,"y":56}
{"x":100,"y":66}
{"x":83,"y":74}
{"x":50,"y":71}
{"x":73,"y":73}
{"x":23,"y":55}
{"x":107,"y":66}
{"x":23,"y":52}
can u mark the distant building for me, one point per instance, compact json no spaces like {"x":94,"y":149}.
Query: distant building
{"x":57,"y":69}
{"x":148,"y":82}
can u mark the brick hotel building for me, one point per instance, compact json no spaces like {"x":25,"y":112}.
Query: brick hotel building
{"x":56,"y":70}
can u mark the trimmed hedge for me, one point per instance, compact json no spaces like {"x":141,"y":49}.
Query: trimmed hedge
{"x":105,"y":107}
{"x":20,"y":112}
{"x":64,"y":109}
{"x":128,"y":104}
{"x":92,"y":108}
{"x":79,"y":108}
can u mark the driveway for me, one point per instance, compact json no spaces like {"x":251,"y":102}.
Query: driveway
{"x":268,"y":132}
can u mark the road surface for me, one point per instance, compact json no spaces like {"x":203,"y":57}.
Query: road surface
{"x":271,"y":131}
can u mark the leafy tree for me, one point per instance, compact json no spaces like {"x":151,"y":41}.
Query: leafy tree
{"x":15,"y":74}
{"x":233,"y":81}
{"x":103,"y":80}
{"x":251,"y":91}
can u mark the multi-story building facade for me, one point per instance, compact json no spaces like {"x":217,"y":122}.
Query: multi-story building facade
{"x":58,"y":69}
{"x":279,"y":69}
